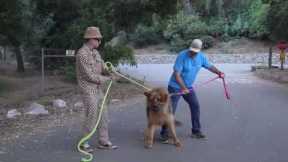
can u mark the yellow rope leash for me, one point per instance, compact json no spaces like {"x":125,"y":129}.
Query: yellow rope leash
{"x":109,"y":66}
{"x":87,"y":137}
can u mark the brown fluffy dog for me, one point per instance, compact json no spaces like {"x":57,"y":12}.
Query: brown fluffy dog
{"x":159,"y":114}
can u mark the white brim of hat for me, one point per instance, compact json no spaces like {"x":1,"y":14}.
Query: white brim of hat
{"x":194,"y":49}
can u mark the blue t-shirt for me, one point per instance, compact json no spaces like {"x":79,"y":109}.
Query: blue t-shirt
{"x":188,"y":68}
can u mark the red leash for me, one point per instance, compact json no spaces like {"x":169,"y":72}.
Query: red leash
{"x":227,"y":95}
{"x":204,"y":83}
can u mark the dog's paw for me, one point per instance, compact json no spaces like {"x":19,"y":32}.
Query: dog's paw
{"x":179,"y":146}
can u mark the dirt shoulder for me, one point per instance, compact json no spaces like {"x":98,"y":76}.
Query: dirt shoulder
{"x":274,"y":74}
{"x":18,"y":92}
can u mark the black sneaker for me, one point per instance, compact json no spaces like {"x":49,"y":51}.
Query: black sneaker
{"x":198,"y":135}
{"x":107,"y":145}
{"x":164,"y":138}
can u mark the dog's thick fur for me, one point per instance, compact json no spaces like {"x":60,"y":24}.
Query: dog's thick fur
{"x":159,"y":114}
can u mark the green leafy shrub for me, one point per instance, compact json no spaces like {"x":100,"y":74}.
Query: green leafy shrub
{"x":258,"y":12}
{"x":217,"y":27}
{"x":239,"y":27}
{"x":70,"y":72}
{"x":250,"y":22}
{"x":186,"y":26}
{"x":277,"y":19}
{"x":182,"y":29}
{"x":226,"y":38}
{"x":208,"y":41}
{"x":177,"y":43}
{"x":5,"y":86}
{"x":145,"y":35}
{"x":118,"y":54}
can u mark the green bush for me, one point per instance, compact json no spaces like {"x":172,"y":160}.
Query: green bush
{"x":239,"y":27}
{"x":126,"y":14}
{"x":70,"y":72}
{"x":118,"y":54}
{"x":177,"y":43}
{"x":217,"y":27}
{"x":5,"y":86}
{"x":182,"y":29}
{"x":186,"y":26}
{"x":145,"y":35}
{"x":277,"y":19}
{"x":258,"y":13}
{"x":249,"y":23}
{"x":208,"y":41}
{"x":226,"y":38}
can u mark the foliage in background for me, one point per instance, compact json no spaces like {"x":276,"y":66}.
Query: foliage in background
{"x":118,"y":54}
{"x":70,"y":72}
{"x":69,"y":23}
{"x":127,"y":14}
{"x":5,"y":86}
{"x":217,"y":27}
{"x":250,"y":23}
{"x":208,"y":41}
{"x":182,"y":29}
{"x":258,"y":16}
{"x":71,"y":17}
{"x":15,"y":20}
{"x":145,"y":35}
{"x":239,"y":27}
{"x":277,"y":19}
{"x":233,"y":19}
{"x":60,"y":23}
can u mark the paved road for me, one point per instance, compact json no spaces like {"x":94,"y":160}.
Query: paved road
{"x":252,"y":127}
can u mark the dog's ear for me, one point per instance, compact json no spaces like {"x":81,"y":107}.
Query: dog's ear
{"x":147,"y":93}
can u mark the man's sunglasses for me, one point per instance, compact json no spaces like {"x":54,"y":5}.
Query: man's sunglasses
{"x":99,"y":40}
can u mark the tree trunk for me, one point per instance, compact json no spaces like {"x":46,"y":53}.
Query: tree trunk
{"x":187,"y":4}
{"x":208,"y":6}
{"x":4,"y":54}
{"x":220,"y":9}
{"x":19,"y":58}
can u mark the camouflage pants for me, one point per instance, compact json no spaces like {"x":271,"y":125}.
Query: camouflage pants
{"x":92,"y":104}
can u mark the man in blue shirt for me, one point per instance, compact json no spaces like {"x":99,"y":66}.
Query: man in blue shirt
{"x":186,"y":67}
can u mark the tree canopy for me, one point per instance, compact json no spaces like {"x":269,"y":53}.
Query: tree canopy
{"x":61,"y":23}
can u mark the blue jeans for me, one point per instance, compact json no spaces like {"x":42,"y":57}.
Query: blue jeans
{"x":193,"y":103}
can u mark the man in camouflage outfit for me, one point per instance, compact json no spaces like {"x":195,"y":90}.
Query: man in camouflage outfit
{"x":89,"y":67}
